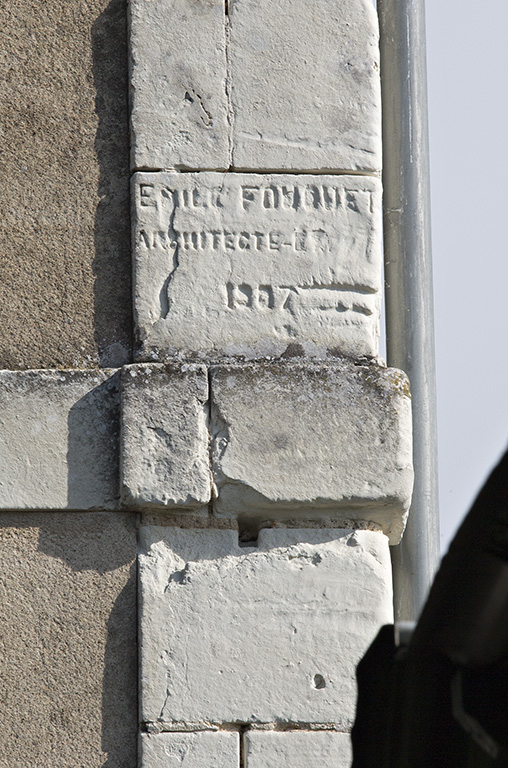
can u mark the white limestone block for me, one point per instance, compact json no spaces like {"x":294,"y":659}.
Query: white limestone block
{"x":269,"y":634}
{"x":59,"y":439}
{"x":305,"y":85}
{"x":190,"y":750}
{"x":178,"y":84}
{"x":309,"y":440}
{"x":164,"y":445}
{"x":299,"y":749}
{"x":251,"y":265}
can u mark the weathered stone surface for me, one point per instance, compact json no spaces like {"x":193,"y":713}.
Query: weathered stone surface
{"x":68,"y":661}
{"x":178,"y":80}
{"x":59,"y":433}
{"x":190,"y":750}
{"x":65,"y":258}
{"x":243,"y":264}
{"x":269,"y":633}
{"x":293,"y":440}
{"x":299,"y":749}
{"x":305,"y":85}
{"x":164,"y":447}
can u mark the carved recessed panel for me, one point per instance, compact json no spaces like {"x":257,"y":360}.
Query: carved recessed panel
{"x":247,"y":264}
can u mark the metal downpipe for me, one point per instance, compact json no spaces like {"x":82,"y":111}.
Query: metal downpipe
{"x":408,"y":276}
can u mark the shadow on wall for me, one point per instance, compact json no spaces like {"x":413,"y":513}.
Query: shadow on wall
{"x":119,"y":690}
{"x":112,"y":263}
{"x":93,"y":427}
{"x":104,"y":544}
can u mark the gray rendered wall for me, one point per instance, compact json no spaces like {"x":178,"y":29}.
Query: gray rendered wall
{"x":68,"y":690}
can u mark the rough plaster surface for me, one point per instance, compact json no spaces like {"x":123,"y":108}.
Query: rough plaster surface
{"x":165,"y":442}
{"x":252,"y":265}
{"x":298,"y":749}
{"x":246,"y":634}
{"x":190,"y":750}
{"x":309,"y":440}
{"x":68,"y":663}
{"x":59,"y":434}
{"x":305,"y":85}
{"x":178,"y":84}
{"x":64,"y":233}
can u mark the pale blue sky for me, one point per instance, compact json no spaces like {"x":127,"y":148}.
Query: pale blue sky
{"x":468,"y":106}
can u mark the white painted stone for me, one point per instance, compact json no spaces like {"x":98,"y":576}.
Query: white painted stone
{"x":298,"y":749}
{"x":305,"y":85}
{"x":244,"y":264}
{"x":310,"y":440}
{"x":164,"y":447}
{"x":190,"y":750}
{"x":258,"y":634}
{"x":58,"y":439}
{"x":178,"y":84}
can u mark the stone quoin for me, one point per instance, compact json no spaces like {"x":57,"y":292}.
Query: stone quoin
{"x":203,"y":458}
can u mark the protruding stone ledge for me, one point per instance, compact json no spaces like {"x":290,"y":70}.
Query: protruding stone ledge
{"x":291,"y":443}
{"x":312,"y":440}
{"x":59,"y":439}
{"x":299,"y":749}
{"x":268,"y":634}
{"x":164,"y":443}
{"x":250,"y":265}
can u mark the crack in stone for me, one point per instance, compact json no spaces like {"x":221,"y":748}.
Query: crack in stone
{"x":179,"y":168}
{"x":162,"y":726}
{"x":164,"y":297}
{"x":206,"y":116}
{"x":168,"y":694}
{"x":229,"y":81}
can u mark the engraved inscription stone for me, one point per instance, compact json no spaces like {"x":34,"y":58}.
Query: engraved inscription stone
{"x":247,"y":264}
{"x":305,"y":85}
{"x":178,"y":84}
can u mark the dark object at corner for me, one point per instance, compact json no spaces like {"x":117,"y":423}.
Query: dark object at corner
{"x":441,"y":701}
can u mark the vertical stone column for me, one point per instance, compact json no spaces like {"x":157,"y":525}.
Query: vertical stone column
{"x":265,"y":444}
